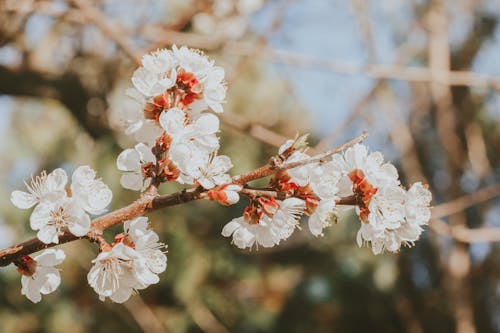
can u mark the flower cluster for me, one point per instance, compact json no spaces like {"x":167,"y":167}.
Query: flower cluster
{"x":58,"y":208}
{"x":391,"y":216}
{"x":131,"y":263}
{"x":177,"y":139}
{"x":176,"y":92}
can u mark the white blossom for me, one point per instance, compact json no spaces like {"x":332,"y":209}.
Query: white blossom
{"x":132,"y":115}
{"x":301,"y":175}
{"x":50,"y":187}
{"x":212,"y":172}
{"x":147,"y":245}
{"x":114,"y":274}
{"x":164,"y":70}
{"x":321,"y":216}
{"x":324,"y":181}
{"x":269,"y":231}
{"x":132,"y":162}
{"x":200,"y":133}
{"x":157,"y":73}
{"x":193,"y":147}
{"x":58,"y":210}
{"x":418,"y":199}
{"x":245,"y":235}
{"x":132,"y":263}
{"x":214,"y":90}
{"x":286,"y":218}
{"x":210,"y":77}
{"x":92,"y":194}
{"x":51,"y":218}
{"x":372,"y":165}
{"x":398,"y":220}
{"x":192,"y":61}
{"x":41,"y":277}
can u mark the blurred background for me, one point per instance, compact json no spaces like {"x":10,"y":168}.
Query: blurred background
{"x":423,"y":77}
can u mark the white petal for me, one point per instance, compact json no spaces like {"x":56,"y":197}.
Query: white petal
{"x":221,"y":164}
{"x":230,"y":227}
{"x":79,"y":225}
{"x":208,"y":123}
{"x":56,"y":180}
{"x":173,"y":121}
{"x":41,"y":215}
{"x":232,"y":197}
{"x":145,"y":153}
{"x":144,"y":81}
{"x":83,"y":175}
{"x":30,"y":290}
{"x":148,"y":133}
{"x":243,"y":238}
{"x":50,"y":257}
{"x":207,"y":183}
{"x":23,"y":200}
{"x":53,"y":280}
{"x":128,"y":160}
{"x":132,"y":181}
{"x":121,"y":295}
{"x":48,"y":235}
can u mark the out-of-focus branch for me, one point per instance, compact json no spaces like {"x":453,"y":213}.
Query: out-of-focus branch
{"x":160,"y":36}
{"x":460,"y":232}
{"x":257,"y":131}
{"x":458,"y":205}
{"x":144,"y":316}
{"x":66,"y":88}
{"x":111,"y":30}
{"x":377,"y":71}
{"x":119,"y":35}
{"x":204,"y":318}
{"x":457,"y":269}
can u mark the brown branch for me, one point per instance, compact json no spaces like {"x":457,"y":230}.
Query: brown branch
{"x":150,"y":201}
{"x":458,"y":205}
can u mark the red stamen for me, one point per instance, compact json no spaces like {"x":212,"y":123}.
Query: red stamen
{"x":364,"y":192}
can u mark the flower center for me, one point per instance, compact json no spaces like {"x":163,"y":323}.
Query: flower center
{"x":254,"y":211}
{"x":58,"y":219}
{"x":364,"y":191}
{"x":186,"y":90}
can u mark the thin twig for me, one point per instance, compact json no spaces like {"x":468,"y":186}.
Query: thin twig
{"x":272,"y":168}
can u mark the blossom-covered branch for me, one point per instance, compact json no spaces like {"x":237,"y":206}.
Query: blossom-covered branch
{"x":176,"y":97}
{"x":151,"y":201}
